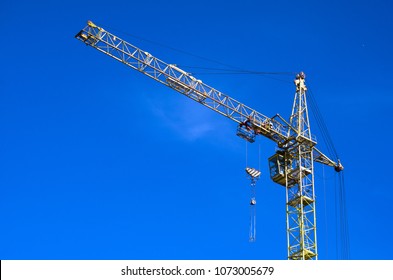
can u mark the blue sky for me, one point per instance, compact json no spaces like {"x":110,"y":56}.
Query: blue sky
{"x":101,"y":162}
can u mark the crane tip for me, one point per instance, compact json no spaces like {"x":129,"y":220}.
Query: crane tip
{"x":91,"y":24}
{"x":338,"y":167}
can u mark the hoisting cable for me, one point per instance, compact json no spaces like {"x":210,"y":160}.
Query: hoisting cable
{"x":270,"y":75}
{"x":322,"y":126}
{"x":341,"y":209}
{"x":246,"y":154}
{"x":259,"y":155}
{"x":253,"y":174}
{"x":168,"y":47}
{"x":236,"y":70}
{"x":341,"y":220}
{"x":253,"y":214}
{"x":172,"y":48}
{"x":344,"y":221}
{"x":325,"y":210}
{"x":229,"y":70}
{"x":336,"y":215}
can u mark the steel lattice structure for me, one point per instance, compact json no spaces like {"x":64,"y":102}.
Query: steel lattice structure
{"x":291,"y":166}
{"x":300,"y":196}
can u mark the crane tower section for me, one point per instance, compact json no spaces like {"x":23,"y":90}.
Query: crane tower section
{"x":293,"y":168}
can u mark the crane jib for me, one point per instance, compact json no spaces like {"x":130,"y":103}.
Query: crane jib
{"x":276,"y":129}
{"x":181,"y":81}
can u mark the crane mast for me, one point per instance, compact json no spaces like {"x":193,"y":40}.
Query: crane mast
{"x":300,"y":196}
{"x":291,"y":166}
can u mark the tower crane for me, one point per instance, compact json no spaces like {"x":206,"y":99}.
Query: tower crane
{"x":292,"y":166}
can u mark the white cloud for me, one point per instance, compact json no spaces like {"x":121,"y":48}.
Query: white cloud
{"x":185,"y":118}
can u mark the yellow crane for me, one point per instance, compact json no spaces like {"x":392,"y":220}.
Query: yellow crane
{"x":292,"y":166}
